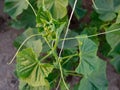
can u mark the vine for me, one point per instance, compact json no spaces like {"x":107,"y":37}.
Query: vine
{"x":50,"y":47}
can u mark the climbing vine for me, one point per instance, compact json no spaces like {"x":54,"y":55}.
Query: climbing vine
{"x":49,"y":51}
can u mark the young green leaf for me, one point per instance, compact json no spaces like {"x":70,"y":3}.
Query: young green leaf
{"x":44,"y":18}
{"x":57,"y":7}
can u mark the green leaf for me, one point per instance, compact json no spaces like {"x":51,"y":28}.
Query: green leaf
{"x":57,"y":7}
{"x":30,"y":70}
{"x":91,"y":31}
{"x":118,"y":19}
{"x":104,"y":46}
{"x":107,"y":9}
{"x":116,"y":62}
{"x":15,"y":7}
{"x":92,"y":68}
{"x":22,"y":17}
{"x":30,"y":31}
{"x":25,"y":86}
{"x":34,"y":41}
{"x":115,"y":58}
{"x":26,"y":20}
{"x":96,"y":80}
{"x":116,"y":51}
{"x":88,"y":56}
{"x":48,"y":26}
{"x":79,"y":11}
{"x":44,"y":18}
{"x":113,"y":38}
{"x":69,"y":43}
{"x":36,"y":45}
{"x":95,"y":21}
{"x":107,"y":17}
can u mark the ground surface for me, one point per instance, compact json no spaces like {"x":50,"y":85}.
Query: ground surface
{"x":8,"y":81}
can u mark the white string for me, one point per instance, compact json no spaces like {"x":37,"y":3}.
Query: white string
{"x":63,"y":42}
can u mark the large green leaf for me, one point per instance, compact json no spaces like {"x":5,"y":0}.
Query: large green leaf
{"x":88,"y":57}
{"x":15,"y":7}
{"x":113,"y":38}
{"x":26,"y":19}
{"x":96,"y":80}
{"x":22,"y":14}
{"x":58,"y":8}
{"x":92,"y":68}
{"x":30,"y":70}
{"x":107,"y":9}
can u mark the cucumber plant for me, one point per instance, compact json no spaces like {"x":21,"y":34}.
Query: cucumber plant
{"x":50,"y":53}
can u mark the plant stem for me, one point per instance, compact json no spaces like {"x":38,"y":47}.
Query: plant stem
{"x":69,"y":59}
{"x":46,"y":56}
{"x":69,"y":56}
{"x":47,"y":42}
{"x":62,"y":77}
{"x":58,"y":60}
{"x":74,"y":73}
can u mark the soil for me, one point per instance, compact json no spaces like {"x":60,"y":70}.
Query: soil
{"x":8,"y":81}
